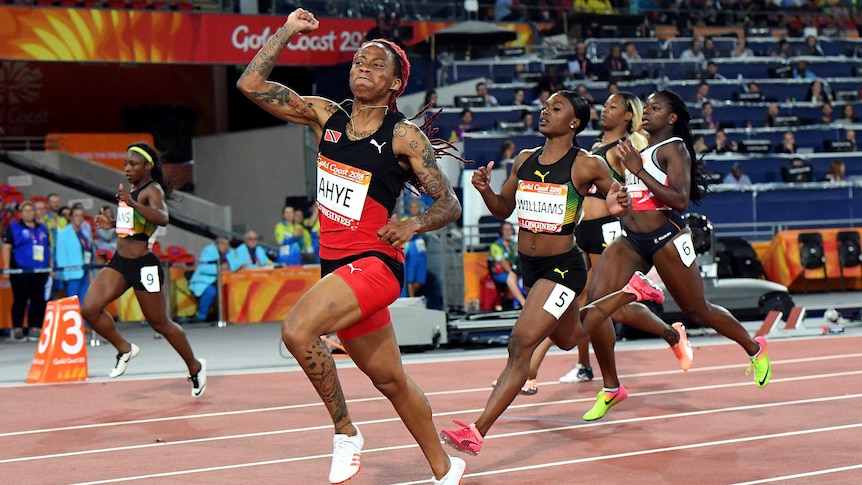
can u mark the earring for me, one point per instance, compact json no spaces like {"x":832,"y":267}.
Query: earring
{"x":572,"y":126}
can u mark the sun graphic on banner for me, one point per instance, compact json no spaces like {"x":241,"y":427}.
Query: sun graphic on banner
{"x":87,"y":35}
{"x":19,"y":83}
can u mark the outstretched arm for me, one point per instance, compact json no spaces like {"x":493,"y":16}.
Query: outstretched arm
{"x":275,"y":98}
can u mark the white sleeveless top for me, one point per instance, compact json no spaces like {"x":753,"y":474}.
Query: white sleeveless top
{"x":642,"y":197}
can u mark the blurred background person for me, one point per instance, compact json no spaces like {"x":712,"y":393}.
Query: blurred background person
{"x":249,"y":254}
{"x":25,"y":246}
{"x":415,"y":256}
{"x":75,"y":249}
{"x":736,"y":176}
{"x":214,"y":258}
{"x":837,"y":171}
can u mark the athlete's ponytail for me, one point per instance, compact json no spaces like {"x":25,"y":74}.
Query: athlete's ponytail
{"x":681,"y":129}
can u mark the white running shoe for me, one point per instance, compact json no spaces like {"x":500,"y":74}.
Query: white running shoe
{"x":199,"y":381}
{"x":345,"y":457}
{"x":579,"y":373}
{"x":457,"y":467}
{"x":123,"y":361}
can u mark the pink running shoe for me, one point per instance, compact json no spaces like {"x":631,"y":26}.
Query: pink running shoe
{"x":682,"y":349}
{"x":643,"y":288}
{"x":466,"y":439}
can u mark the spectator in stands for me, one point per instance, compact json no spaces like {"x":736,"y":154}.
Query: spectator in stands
{"x":312,"y":225}
{"x":249,"y":254}
{"x":75,"y":250}
{"x":581,"y":67}
{"x":66,"y":213}
{"x":736,"y":176}
{"x":630,"y":52}
{"x":550,"y":79}
{"x":811,"y":48}
{"x":25,"y":246}
{"x":305,"y":247}
{"x":753,"y":87}
{"x":507,"y":155}
{"x":55,"y":286}
{"x":702,"y":94}
{"x":584,"y":92}
{"x":817,"y":94}
{"x":482,"y":91}
{"x":290,"y":238}
{"x":388,"y":27}
{"x":694,"y":51}
{"x":771,"y":113}
{"x":542,"y":98}
{"x":507,"y":10}
{"x":711,"y":72}
{"x":801,"y":71}
{"x":415,"y":256}
{"x":784,"y":50}
{"x":850,"y":135}
{"x":464,"y":126}
{"x":520,"y":70}
{"x":722,"y":145}
{"x":214,"y":258}
{"x":740,"y":51}
{"x":593,"y":6}
{"x":615,"y":63}
{"x":826,"y":113}
{"x":837,"y":171}
{"x":527,"y":120}
{"x":106,"y":238}
{"x":788,"y":143}
{"x":518,"y":97}
{"x":54,"y":220}
{"x":709,"y":50}
{"x":699,"y":143}
{"x":430,"y":101}
{"x":503,"y":263}
{"x":848,"y":114}
{"x":613,"y":88}
{"x":706,"y":112}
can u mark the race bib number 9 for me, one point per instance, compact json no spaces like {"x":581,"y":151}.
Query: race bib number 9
{"x":341,"y":191}
{"x":150,"y":279}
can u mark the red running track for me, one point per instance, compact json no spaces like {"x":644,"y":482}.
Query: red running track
{"x":710,"y":425}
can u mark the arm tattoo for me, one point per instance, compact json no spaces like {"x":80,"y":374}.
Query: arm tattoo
{"x":277,"y":94}
{"x":264,"y":61}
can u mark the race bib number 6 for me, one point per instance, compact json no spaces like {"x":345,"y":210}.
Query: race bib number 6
{"x":685,"y":248}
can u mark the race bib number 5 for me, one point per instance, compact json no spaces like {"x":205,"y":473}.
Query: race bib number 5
{"x":341,"y":191}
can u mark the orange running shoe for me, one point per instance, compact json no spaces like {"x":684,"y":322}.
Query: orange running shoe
{"x":682,"y":349}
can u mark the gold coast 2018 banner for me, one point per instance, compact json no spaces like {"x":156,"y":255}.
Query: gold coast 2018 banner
{"x":132,"y":36}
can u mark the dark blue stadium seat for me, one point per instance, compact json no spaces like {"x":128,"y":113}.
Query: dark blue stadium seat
{"x":767,"y":168}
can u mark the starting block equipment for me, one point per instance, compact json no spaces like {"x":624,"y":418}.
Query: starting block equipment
{"x":774,"y":327}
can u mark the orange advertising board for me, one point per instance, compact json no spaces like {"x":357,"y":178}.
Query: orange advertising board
{"x":106,"y":148}
{"x":140,"y":36}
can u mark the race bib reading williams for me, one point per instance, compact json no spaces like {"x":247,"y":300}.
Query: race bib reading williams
{"x":541,"y":207}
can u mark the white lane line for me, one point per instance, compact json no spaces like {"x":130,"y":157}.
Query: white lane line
{"x":463,"y":391}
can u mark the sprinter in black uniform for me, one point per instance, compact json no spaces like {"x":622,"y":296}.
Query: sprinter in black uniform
{"x":546,"y":188}
{"x":139,"y":214}
{"x":367,"y":151}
